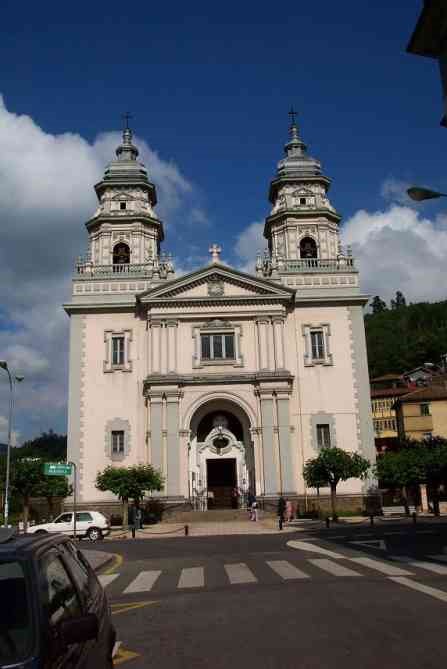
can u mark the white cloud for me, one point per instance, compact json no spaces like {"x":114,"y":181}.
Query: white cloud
{"x":395,"y":190}
{"x":248,"y":244}
{"x":399,"y":249}
{"x":46,"y":195}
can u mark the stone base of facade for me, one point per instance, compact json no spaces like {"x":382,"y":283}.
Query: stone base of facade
{"x":310,"y":505}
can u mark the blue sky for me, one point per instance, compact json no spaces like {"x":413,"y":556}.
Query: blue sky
{"x":209,"y":87}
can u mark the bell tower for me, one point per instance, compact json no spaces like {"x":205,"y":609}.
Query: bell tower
{"x":125,"y":232}
{"x":302,"y":229}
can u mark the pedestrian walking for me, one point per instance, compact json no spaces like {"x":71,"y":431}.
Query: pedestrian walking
{"x":289,"y":510}
{"x":250,"y":499}
{"x":132,"y":519}
{"x":281,"y":509}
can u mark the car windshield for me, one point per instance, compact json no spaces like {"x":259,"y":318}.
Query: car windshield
{"x":16,"y":629}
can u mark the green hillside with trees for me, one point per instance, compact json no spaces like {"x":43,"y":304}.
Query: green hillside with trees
{"x":402,"y":337}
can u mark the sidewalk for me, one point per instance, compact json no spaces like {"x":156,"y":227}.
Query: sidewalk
{"x":208,"y":529}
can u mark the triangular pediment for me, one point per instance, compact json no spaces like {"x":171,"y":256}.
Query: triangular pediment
{"x":216,"y":282}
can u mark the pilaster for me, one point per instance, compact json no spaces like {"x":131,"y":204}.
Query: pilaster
{"x":267,"y":424}
{"x":287,"y":478}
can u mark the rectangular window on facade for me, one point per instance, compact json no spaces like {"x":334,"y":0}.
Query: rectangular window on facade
{"x":425,"y":409}
{"x":323,"y":435}
{"x":217,"y":346}
{"x":118,"y":442}
{"x":118,"y":351}
{"x":317,"y":344}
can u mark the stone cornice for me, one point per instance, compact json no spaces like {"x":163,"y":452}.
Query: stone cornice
{"x":136,"y":217}
{"x":304,"y":215}
{"x":214,"y":379}
{"x":75,"y":308}
{"x":330,"y":300}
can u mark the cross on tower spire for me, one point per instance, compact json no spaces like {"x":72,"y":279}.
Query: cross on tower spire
{"x":126,"y":118}
{"x":293,"y":114}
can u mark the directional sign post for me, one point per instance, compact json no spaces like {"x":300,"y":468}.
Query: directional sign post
{"x":64,"y":469}
{"x":57,"y":469}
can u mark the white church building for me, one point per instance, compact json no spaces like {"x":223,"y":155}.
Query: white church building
{"x":222,"y":380}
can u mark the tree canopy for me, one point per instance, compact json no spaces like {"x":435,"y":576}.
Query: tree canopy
{"x":403,"y":338}
{"x":415,"y":462}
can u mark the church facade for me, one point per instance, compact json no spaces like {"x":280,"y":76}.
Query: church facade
{"x":221,"y":379}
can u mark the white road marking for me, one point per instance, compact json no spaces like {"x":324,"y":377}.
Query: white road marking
{"x":334,"y":568}
{"x":192,"y":577}
{"x":421,"y":564}
{"x":143,"y":582}
{"x":239,"y":573}
{"x":429,"y":566}
{"x":383,"y":567}
{"x":312,"y":548}
{"x":106,"y":579}
{"x":286,"y":570}
{"x":420,"y":587}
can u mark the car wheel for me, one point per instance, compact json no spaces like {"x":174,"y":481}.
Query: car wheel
{"x":40,"y":532}
{"x":94,"y":533}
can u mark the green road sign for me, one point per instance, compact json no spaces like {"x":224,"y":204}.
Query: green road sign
{"x":57,"y":469}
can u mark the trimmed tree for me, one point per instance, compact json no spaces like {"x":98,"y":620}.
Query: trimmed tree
{"x":332,"y":466}
{"x":129,"y":483}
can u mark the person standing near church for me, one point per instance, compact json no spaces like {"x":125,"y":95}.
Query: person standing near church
{"x":281,"y":508}
{"x":132,"y":519}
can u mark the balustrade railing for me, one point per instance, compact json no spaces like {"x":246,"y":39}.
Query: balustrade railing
{"x":86,"y":270}
{"x":344,"y":264}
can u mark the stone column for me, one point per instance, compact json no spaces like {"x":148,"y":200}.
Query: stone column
{"x":156,"y":347}
{"x":172,"y":345}
{"x":288,"y":483}
{"x":263,"y":343}
{"x":267,"y":419}
{"x":278,"y":338}
{"x":156,"y":401}
{"x":173,"y":483}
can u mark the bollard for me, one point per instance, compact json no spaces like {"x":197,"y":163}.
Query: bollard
{"x":371,"y":520}
{"x":327,"y":522}
{"x":280,"y":522}
{"x":186,"y":530}
{"x":414,"y":516}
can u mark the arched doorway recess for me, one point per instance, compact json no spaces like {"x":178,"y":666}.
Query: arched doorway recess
{"x":221,"y":465}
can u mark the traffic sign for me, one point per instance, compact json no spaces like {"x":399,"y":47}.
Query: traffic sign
{"x":57,"y":469}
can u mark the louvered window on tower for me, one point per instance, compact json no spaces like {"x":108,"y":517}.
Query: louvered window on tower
{"x":317,"y":344}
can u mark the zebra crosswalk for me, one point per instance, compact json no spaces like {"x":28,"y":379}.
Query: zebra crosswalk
{"x":240,"y":573}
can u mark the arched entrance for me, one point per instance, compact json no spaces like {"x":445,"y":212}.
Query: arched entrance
{"x":221,"y":456}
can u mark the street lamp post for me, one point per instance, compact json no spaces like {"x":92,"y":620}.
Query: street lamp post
{"x":418,"y":193}
{"x":12,"y":380}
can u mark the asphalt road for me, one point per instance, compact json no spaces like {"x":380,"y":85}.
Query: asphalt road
{"x":243,"y":601}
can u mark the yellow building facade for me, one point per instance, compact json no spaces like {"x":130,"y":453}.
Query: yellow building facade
{"x":422,"y":413}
